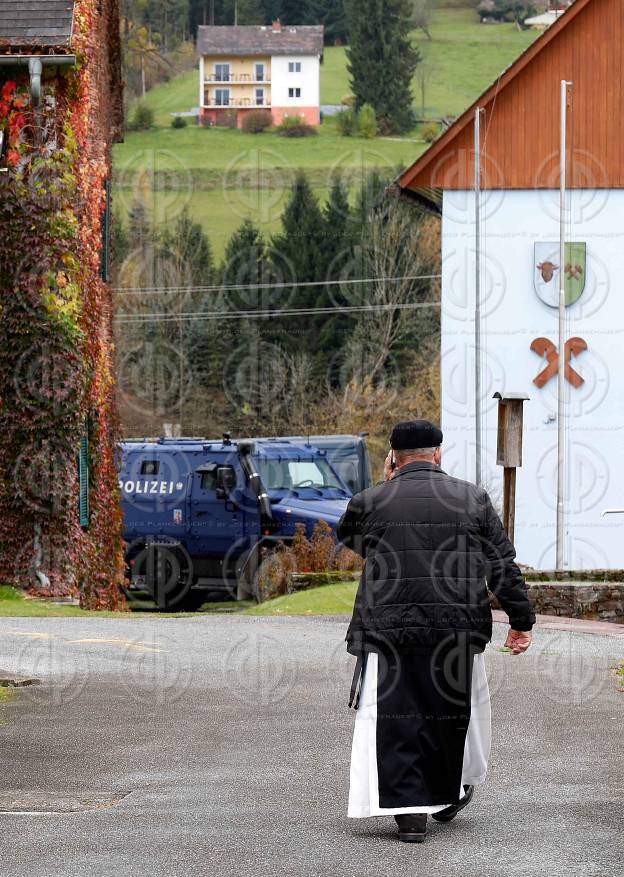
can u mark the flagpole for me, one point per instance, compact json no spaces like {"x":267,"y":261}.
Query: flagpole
{"x":561,"y":387}
{"x":477,"y":329}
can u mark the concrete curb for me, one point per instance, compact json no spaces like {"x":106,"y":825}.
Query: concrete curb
{"x":14,"y":680}
{"x":574,"y":625}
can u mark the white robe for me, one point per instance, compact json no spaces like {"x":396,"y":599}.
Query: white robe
{"x":364,"y":788}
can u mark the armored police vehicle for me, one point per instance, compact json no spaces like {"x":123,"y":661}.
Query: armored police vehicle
{"x":199,"y":514}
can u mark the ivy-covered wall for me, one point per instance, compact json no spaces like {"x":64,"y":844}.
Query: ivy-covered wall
{"x":56,"y":351}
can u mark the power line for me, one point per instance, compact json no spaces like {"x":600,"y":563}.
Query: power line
{"x":287,"y":312}
{"x":158,"y":290}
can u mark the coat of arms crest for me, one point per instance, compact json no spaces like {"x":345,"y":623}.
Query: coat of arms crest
{"x":547,"y":272}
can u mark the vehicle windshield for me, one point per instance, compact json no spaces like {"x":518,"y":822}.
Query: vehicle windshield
{"x":295,"y":474}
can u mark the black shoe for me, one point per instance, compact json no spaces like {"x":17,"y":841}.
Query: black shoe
{"x":451,"y":812}
{"x":412,"y":827}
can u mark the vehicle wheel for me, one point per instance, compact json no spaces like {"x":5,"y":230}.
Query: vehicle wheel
{"x":192,"y":602}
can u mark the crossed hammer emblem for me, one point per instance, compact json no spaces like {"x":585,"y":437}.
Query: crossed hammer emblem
{"x":545,"y":347}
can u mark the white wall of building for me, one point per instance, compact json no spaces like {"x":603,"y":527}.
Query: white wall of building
{"x":513,"y":316}
{"x":308,"y":80}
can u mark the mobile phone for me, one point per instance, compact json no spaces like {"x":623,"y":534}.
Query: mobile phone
{"x":392,"y":462}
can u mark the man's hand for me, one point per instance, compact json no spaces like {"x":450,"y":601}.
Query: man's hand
{"x":518,"y":641}
{"x":388,"y":470}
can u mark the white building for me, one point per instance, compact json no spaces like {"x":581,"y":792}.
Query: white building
{"x":519,"y":258}
{"x":256,"y":67}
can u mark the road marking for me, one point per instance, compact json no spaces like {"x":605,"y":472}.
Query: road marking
{"x":130,"y":644}
{"x":32,"y":634}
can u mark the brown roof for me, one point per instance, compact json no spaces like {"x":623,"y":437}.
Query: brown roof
{"x":260,"y":40}
{"x":520,"y":120}
{"x":26,"y":23}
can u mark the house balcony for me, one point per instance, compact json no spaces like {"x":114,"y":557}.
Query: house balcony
{"x":236,"y":79}
{"x":235,"y":103}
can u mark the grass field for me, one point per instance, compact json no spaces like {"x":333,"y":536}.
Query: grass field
{"x":225,"y":176}
{"x":16,"y":604}
{"x":328,"y":600}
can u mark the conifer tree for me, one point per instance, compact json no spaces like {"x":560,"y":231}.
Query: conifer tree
{"x":331,"y":14}
{"x":337,"y":228}
{"x":298,"y":250}
{"x":244,"y":258}
{"x":187,"y":251}
{"x":382,"y":60}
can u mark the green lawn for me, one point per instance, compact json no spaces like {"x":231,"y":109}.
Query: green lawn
{"x":15,"y":604}
{"x":463,"y":58}
{"x":225,"y":176}
{"x":192,"y":149}
{"x":327,"y":600}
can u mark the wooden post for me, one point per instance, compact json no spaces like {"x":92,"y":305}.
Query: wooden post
{"x":509,"y":451}
{"x":509,"y":500}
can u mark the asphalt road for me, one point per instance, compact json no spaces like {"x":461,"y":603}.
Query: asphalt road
{"x":220,"y":746}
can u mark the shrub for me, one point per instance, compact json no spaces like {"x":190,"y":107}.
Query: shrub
{"x":178,"y":122}
{"x":345,"y":121}
{"x":257,"y":121}
{"x":320,"y":553}
{"x":296,"y":126}
{"x":348,"y":100}
{"x":226,"y":119}
{"x":142,"y":118}
{"x":429,"y":132}
{"x":367,"y":122}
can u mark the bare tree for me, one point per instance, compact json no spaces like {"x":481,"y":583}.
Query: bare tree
{"x":394,"y":254}
{"x":421,"y":16}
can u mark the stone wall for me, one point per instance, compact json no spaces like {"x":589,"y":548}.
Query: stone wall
{"x":597,"y":600}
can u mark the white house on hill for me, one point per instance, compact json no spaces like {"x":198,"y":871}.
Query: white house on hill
{"x":256,"y":67}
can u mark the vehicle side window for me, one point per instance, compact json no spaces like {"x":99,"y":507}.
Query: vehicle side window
{"x":209,"y":480}
{"x":150,"y":467}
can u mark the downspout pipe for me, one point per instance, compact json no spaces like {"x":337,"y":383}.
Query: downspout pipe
{"x":35,"y":64}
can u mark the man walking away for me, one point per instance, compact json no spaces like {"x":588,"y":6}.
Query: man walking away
{"x":420,"y":624}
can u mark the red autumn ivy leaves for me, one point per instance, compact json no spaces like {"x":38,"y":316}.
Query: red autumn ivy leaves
{"x":13,"y":117}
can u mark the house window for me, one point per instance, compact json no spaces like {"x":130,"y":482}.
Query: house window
{"x":222,"y":72}
{"x":222,"y":97}
{"x":294,"y":92}
{"x":259,"y":72}
{"x":294,"y":66}
{"x":259,"y":97}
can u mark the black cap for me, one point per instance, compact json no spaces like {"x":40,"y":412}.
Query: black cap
{"x":415,"y":434}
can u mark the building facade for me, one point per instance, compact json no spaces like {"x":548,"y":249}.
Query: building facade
{"x":519,"y":258}
{"x":276,"y":68}
{"x":60,"y":112}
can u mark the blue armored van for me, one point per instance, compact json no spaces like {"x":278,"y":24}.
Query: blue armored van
{"x":199,"y":514}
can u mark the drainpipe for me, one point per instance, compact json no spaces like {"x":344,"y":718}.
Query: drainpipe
{"x":44,"y":581}
{"x":35,"y":64}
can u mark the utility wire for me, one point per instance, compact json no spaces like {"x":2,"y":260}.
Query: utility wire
{"x":287,"y":312}
{"x":157,"y":290}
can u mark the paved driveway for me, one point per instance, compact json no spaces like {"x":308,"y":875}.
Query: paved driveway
{"x":220,"y":745}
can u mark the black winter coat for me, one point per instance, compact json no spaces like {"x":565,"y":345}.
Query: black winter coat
{"x":430,"y":543}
